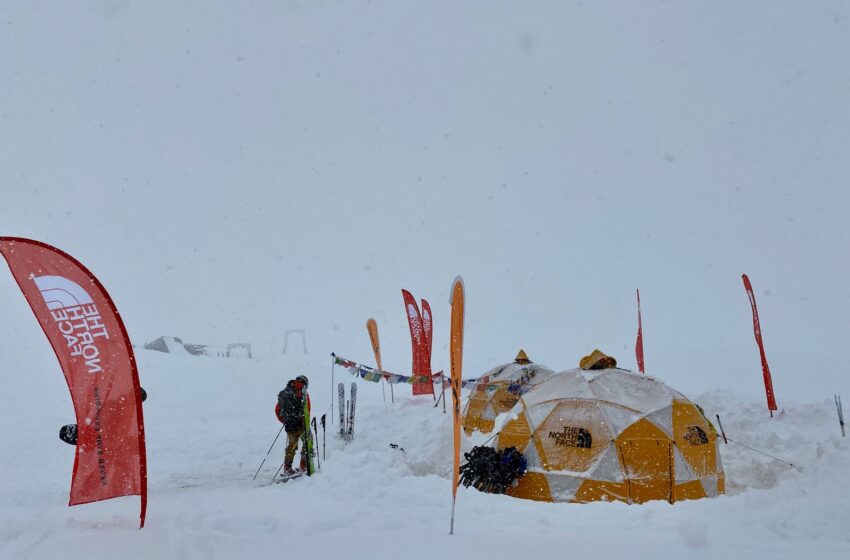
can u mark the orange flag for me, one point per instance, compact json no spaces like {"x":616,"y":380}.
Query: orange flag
{"x":372,"y":327}
{"x":456,"y":350}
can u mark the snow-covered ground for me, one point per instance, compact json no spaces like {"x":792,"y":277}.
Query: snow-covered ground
{"x":209,"y":421}
{"x":231,"y":172}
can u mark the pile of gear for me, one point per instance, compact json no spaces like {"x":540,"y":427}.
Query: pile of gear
{"x":492,"y":471}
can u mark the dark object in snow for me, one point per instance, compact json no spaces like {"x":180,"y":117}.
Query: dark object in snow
{"x":397,"y":446}
{"x":840,"y":409}
{"x":323,"y":437}
{"x":492,"y":471}
{"x":68,"y":434}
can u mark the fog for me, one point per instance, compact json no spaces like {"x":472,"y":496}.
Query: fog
{"x":232,"y":170}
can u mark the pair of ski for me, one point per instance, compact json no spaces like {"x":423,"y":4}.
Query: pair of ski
{"x":346,"y":411}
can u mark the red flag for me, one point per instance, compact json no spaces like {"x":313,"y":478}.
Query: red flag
{"x":427,"y":330}
{"x":92,"y":346}
{"x":639,"y":342}
{"x":456,"y":354}
{"x":421,"y":367}
{"x":768,"y":381}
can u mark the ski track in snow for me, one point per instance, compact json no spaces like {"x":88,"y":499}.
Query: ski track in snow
{"x":374,"y":501}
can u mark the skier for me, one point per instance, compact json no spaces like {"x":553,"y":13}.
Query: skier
{"x":290,"y":412}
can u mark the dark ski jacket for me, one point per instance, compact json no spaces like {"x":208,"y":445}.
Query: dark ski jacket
{"x":290,"y":406}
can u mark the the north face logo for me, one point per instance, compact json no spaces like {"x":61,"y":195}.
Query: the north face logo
{"x":59,"y":292}
{"x":76,"y":315}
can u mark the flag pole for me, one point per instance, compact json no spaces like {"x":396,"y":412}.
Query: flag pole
{"x":333,"y":363}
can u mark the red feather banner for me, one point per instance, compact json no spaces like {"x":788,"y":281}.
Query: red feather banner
{"x":768,"y":381}
{"x":94,"y":351}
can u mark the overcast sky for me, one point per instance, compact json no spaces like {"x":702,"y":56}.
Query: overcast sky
{"x":231,"y":170}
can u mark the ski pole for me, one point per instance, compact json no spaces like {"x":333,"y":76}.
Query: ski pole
{"x":722,"y":431}
{"x":323,"y":436}
{"x":840,"y":410}
{"x":276,"y":472}
{"x":267,"y":453}
{"x":436,"y":404}
{"x":316,"y":431}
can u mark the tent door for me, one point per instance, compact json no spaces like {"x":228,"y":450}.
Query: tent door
{"x":648,"y":467}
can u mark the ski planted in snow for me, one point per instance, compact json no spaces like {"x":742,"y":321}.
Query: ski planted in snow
{"x":341,"y":391}
{"x":307,"y":449}
{"x":316,"y":444}
{"x":349,"y":434}
{"x":840,"y":410}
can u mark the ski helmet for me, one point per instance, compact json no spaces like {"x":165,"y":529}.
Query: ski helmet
{"x":302,"y":379}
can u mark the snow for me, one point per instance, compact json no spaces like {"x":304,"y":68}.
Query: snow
{"x":233,"y":173}
{"x":209,"y":422}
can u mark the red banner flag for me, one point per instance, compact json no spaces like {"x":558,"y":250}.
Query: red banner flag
{"x":427,"y":330}
{"x":456,"y":355}
{"x":421,"y":367}
{"x":92,"y":346}
{"x":639,"y":342}
{"x":768,"y":381}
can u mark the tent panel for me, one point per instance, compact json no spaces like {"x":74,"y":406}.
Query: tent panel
{"x":695,"y":439}
{"x":681,"y":471}
{"x":663,"y":419}
{"x":503,"y":400}
{"x":602,"y":491}
{"x":515,"y":433}
{"x":648,"y":468}
{"x":563,"y":487}
{"x":618,"y":418}
{"x":531,"y":486}
{"x":711,"y":486}
{"x":692,"y":490}
{"x":564,"y":384}
{"x":608,"y":467}
{"x":474,"y":408}
{"x":572,"y":436}
{"x":633,"y":390}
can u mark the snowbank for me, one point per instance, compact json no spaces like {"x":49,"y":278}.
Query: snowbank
{"x":209,"y":426}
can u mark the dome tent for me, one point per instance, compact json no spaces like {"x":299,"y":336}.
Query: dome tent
{"x":611,"y":434}
{"x":497,"y":392}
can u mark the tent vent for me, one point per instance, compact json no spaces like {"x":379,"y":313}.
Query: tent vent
{"x":696,"y":436}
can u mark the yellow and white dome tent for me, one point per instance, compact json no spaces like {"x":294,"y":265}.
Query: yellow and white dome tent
{"x":611,"y":434}
{"x":498,"y":390}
